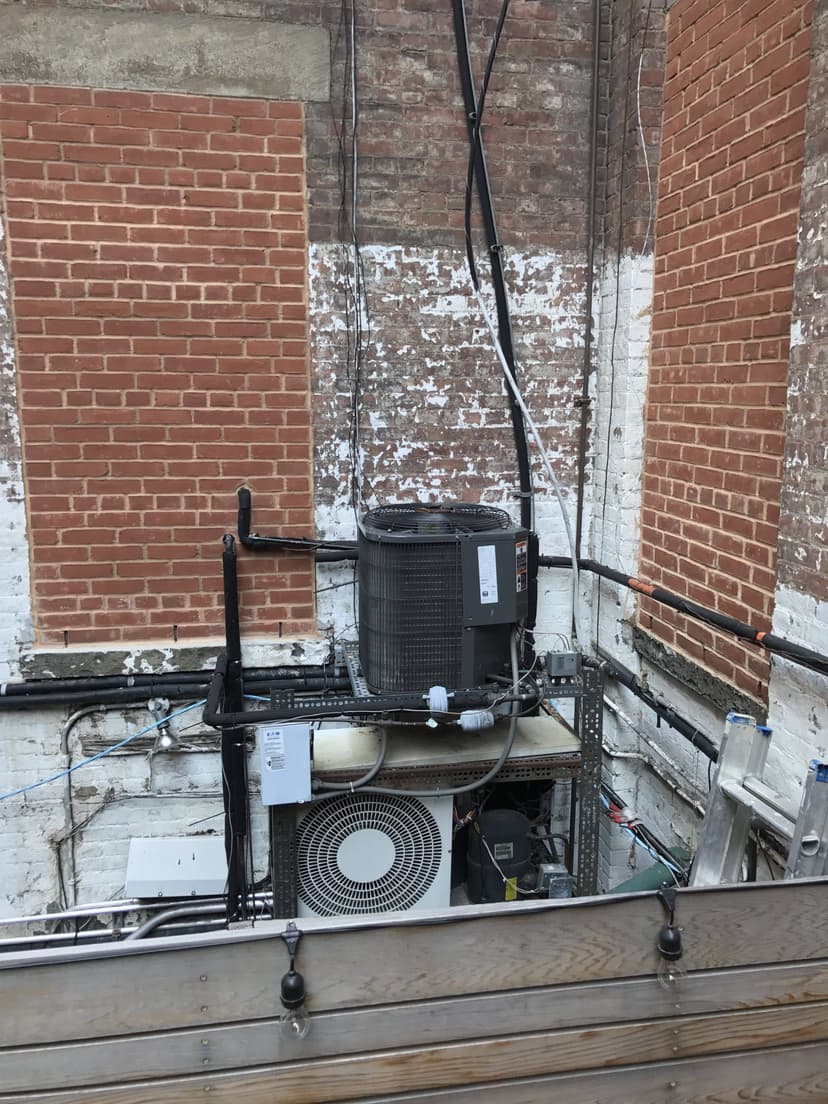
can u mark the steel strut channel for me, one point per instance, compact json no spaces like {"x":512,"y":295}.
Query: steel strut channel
{"x":350,"y":653}
{"x":341,"y":705}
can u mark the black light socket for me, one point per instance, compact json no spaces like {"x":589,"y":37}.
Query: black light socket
{"x":669,"y":943}
{"x":292,"y":990}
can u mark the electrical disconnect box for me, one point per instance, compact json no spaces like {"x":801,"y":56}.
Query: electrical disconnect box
{"x":285,"y":760}
{"x":180,"y":866}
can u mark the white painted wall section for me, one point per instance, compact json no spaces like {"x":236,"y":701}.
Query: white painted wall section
{"x":15,"y":599}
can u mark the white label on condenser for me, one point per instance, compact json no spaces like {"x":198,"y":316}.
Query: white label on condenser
{"x":273,"y":744}
{"x":487,"y":569}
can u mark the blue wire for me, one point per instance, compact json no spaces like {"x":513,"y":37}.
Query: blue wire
{"x":658,"y":858}
{"x":101,"y":754}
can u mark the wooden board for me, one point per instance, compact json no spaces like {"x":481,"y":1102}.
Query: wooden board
{"x":457,"y":1064}
{"x":233,"y":976}
{"x":788,"y":1074}
{"x":247,"y":1044}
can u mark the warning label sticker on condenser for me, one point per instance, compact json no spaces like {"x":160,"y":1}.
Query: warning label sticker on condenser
{"x":522,"y":565}
{"x":487,"y":571}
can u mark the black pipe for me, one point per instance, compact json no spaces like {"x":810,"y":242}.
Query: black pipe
{"x":325,"y":551}
{"x":189,"y":691}
{"x":805,"y":657}
{"x":504,"y":326}
{"x":217,"y":715}
{"x":584,"y":401}
{"x":233,"y":750}
{"x":614,"y":670}
{"x":156,"y":682}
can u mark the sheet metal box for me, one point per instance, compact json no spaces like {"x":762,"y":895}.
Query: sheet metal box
{"x":179,"y":866}
{"x":285,"y":761}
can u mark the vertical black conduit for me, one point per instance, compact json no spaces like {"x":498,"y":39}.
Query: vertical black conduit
{"x":233,"y":752}
{"x":504,"y":325}
{"x":584,"y":400}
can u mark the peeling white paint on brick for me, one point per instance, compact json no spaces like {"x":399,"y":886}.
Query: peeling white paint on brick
{"x":16,"y":629}
{"x":128,"y":794}
{"x":797,"y":707}
{"x":435,"y":417}
{"x":623,"y":309}
{"x":623,"y":349}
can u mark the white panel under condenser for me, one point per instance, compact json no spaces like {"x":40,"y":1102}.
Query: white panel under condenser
{"x":285,"y":760}
{"x":178,"y":866}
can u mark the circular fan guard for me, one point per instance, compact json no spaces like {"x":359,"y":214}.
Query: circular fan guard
{"x":436,"y":517}
{"x":407,"y":824}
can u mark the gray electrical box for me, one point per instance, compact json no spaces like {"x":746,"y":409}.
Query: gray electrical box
{"x":285,"y":760}
{"x":180,"y":866}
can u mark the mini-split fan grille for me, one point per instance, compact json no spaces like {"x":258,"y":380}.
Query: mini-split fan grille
{"x":367,"y":853}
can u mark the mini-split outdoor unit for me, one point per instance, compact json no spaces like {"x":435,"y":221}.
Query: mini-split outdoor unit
{"x":373,"y":853}
{"x":440,"y":589}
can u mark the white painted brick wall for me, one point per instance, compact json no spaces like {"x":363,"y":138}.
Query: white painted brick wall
{"x":15,"y":606}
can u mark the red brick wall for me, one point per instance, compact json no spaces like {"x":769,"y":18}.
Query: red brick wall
{"x":157,"y":251}
{"x":729,"y":190}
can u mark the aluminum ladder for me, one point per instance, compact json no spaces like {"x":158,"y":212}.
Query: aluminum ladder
{"x":739,"y":796}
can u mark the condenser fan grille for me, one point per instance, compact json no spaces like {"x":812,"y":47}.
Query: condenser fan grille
{"x":366,"y":853}
{"x":436,"y":519}
{"x":410,"y":614}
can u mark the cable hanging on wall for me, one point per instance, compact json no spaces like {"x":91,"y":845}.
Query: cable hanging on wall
{"x":356,"y":314}
{"x":501,"y":336}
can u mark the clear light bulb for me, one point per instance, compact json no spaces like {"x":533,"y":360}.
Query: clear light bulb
{"x":294,"y":1023}
{"x":670,"y":973}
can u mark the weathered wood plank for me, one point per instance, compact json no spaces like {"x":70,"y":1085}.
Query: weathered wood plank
{"x":234,"y":976}
{"x":459,"y":1064}
{"x":258,"y":1043}
{"x":788,"y":1074}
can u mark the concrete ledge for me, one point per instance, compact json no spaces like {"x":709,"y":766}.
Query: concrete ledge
{"x":164,"y":52}
{"x":88,"y":661}
{"x":696,"y":678}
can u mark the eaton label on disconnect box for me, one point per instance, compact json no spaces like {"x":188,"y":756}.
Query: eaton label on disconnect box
{"x":285,"y":760}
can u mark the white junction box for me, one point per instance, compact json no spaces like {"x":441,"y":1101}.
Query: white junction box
{"x":180,"y":866}
{"x":285,"y":760}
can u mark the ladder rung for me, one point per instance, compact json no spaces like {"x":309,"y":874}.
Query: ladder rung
{"x":759,"y":807}
{"x":759,"y":788}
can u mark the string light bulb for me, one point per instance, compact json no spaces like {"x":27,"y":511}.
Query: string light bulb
{"x":294,"y":1022}
{"x":670,"y":972}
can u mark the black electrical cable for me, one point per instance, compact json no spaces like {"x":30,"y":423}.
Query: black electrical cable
{"x":475,"y":149}
{"x":154,"y":684}
{"x":584,"y":401}
{"x":481,"y":175}
{"x":614,"y":670}
{"x":805,"y":657}
{"x":327,"y":550}
{"x":174,"y":692}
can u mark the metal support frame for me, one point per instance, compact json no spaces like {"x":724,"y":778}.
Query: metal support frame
{"x":233,"y":749}
{"x":283,"y":875}
{"x":589,"y":722}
